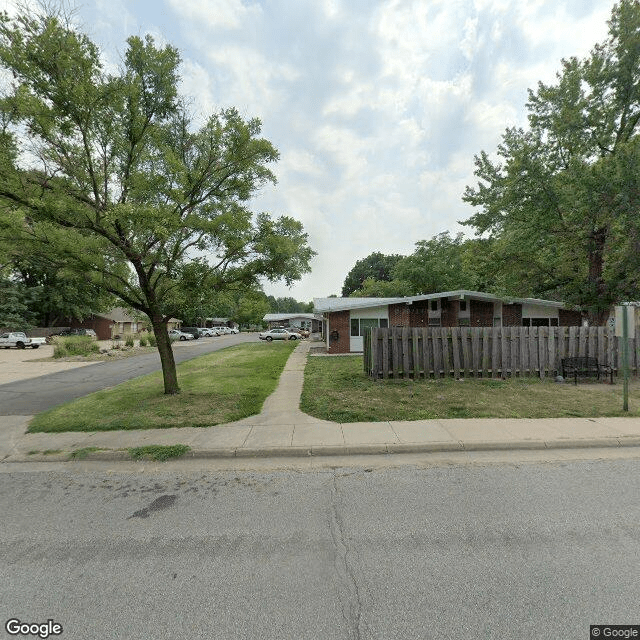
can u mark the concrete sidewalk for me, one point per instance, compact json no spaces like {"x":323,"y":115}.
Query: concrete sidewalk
{"x":283,"y":430}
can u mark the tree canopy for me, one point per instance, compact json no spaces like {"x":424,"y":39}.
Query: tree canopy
{"x":442,"y":263}
{"x":561,"y":200}
{"x":376,"y":266}
{"x":109,"y":174}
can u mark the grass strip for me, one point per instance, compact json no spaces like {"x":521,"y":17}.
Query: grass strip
{"x":220,"y":387}
{"x":159,"y":452}
{"x":337,"y":389}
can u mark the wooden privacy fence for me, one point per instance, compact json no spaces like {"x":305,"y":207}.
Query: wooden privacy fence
{"x":491,"y":352}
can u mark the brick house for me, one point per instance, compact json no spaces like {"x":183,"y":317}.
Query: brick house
{"x":345,"y":319}
{"x":117,"y":322}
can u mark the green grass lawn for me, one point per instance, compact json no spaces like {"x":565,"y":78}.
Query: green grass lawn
{"x":337,"y":389}
{"x":220,"y":387}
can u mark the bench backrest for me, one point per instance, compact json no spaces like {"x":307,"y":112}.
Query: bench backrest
{"x":580,"y":362}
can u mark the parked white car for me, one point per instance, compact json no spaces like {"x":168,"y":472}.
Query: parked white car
{"x":278,"y":334}
{"x":176,"y":334}
{"x":19,"y":340}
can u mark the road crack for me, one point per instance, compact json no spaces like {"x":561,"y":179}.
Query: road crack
{"x":351,"y":600}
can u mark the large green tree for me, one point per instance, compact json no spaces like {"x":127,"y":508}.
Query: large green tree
{"x":561,"y":201}
{"x":435,"y":265}
{"x":442,"y":263}
{"x":110,"y":172}
{"x":376,"y":266}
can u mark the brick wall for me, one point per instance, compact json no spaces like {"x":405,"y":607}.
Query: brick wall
{"x":481,"y":314}
{"x":339,"y":321}
{"x":511,"y":315}
{"x":419,"y":314}
{"x":449,"y":312}
{"x":398,"y":315}
{"x":567,"y":318}
{"x":102,"y":326}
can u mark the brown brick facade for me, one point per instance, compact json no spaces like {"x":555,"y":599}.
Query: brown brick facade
{"x":419,"y":314}
{"x":340,"y":342}
{"x":481,"y":314}
{"x":568,"y":318}
{"x":102,"y":326}
{"x":399,"y":315}
{"x":511,"y":315}
{"x":449,"y":312}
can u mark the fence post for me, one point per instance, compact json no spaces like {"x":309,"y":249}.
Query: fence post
{"x":368,"y":351}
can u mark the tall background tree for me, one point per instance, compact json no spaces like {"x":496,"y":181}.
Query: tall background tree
{"x":109,"y":173}
{"x":442,"y":263}
{"x":376,"y":266}
{"x":561,"y":201}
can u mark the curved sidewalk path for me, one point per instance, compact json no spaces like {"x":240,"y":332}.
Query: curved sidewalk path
{"x":281,"y":429}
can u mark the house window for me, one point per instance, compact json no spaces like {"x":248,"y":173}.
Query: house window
{"x":539,"y":322}
{"x":358,"y":325}
{"x":434,"y":322}
{"x":463,"y":322}
{"x":434,"y":305}
{"x":463,"y":305}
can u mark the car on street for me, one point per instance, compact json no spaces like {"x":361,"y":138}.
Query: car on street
{"x":176,"y":334}
{"x":278,"y":334}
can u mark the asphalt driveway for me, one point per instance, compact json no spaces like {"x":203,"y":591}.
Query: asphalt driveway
{"x":33,"y":395}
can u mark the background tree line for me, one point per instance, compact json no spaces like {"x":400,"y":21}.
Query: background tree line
{"x":443,"y":263}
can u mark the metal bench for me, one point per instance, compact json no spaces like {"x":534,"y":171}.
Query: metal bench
{"x":581,"y":366}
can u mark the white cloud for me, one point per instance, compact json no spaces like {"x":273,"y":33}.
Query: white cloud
{"x":254,"y":81}
{"x":216,"y":14}
{"x":376,"y":108}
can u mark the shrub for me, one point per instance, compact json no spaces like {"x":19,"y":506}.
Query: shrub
{"x":152,"y":340}
{"x":74,"y":346}
{"x":143,"y":341}
{"x":128,"y":341}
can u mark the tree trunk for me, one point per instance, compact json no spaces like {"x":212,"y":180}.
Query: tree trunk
{"x":163,"y":343}
{"x":599,"y":310}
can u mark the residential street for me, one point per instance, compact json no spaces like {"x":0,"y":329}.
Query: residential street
{"x":495,"y":550}
{"x":33,"y":395}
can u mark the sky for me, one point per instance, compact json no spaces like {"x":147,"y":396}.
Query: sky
{"x":377,"y":108}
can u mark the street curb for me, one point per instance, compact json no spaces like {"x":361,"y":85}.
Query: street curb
{"x":122,"y":455}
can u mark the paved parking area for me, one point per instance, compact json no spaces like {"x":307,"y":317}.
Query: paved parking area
{"x":21,"y":364}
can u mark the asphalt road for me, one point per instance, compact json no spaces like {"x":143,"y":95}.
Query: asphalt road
{"x":498,"y":551}
{"x":31,"y":396}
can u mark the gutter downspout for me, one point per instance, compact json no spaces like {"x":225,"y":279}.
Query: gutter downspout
{"x":326,"y":337}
